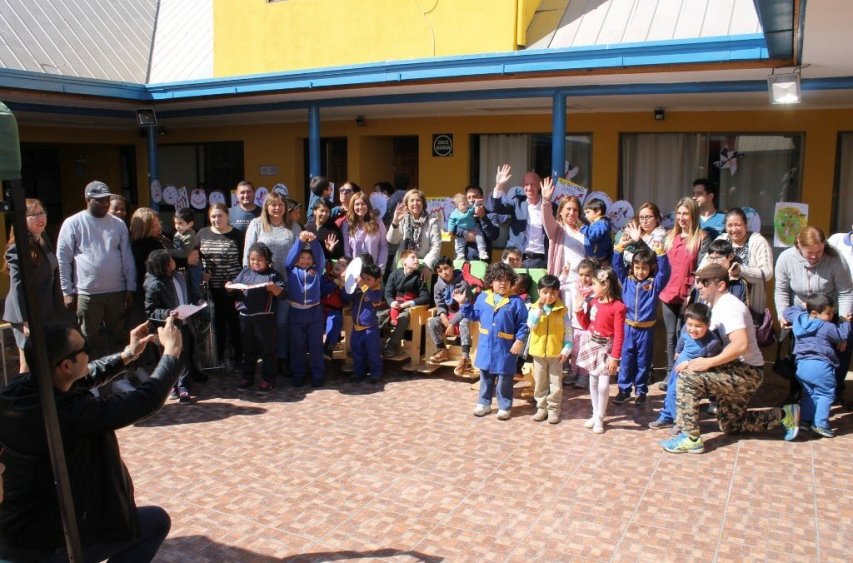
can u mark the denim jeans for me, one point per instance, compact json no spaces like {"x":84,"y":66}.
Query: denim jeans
{"x":489,"y":382}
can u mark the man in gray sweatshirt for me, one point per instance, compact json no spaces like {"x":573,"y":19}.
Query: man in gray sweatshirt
{"x":96,"y":269}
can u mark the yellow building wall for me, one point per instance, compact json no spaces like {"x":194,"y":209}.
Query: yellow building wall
{"x":259,"y":37}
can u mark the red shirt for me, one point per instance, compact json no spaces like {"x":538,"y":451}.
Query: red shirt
{"x":606,"y":320}
{"x":682,"y":263}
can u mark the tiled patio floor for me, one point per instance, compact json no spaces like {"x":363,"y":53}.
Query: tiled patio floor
{"x":403,"y":471}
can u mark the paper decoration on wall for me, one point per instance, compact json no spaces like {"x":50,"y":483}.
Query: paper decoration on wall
{"x":198,"y":199}
{"x":602,"y":196}
{"x":170,"y":194}
{"x":668,"y":221}
{"x":570,"y":171}
{"x":233,"y":198}
{"x":379,"y":203}
{"x":261,"y":196}
{"x":183,"y":198}
{"x":281,"y":189}
{"x":437,"y":207}
{"x":566,"y":187}
{"x":216,"y":197}
{"x":620,"y":212}
{"x":789,"y":218}
{"x":753,"y":220}
{"x":156,"y":191}
{"x":728,"y":159}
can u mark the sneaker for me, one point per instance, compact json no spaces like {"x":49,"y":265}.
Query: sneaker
{"x":541,"y":414}
{"x":682,"y":444}
{"x":553,"y":417}
{"x":791,"y":420}
{"x":589,"y":423}
{"x":245,"y":384}
{"x":582,"y":382}
{"x":482,"y":410}
{"x":442,"y":355}
{"x":825,"y":432}
{"x":712,"y":407}
{"x":484,"y":256}
{"x":463,"y":366}
{"x":503,"y":414}
{"x":640,"y":400}
{"x":598,"y":427}
{"x":660,"y":424}
{"x":123,"y":386}
{"x":173,"y":394}
{"x":265,"y":387}
{"x":663,"y":386}
{"x":184,"y":398}
{"x":622,"y":397}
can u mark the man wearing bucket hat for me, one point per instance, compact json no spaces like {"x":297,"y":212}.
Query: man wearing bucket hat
{"x":732,"y":376}
{"x":96,"y":269}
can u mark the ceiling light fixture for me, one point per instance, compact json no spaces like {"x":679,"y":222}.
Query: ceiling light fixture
{"x":784,"y":88}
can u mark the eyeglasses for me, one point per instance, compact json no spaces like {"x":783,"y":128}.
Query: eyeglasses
{"x":346,"y":190}
{"x":646,"y":217}
{"x":716,"y":258}
{"x":706,"y":283}
{"x":38,"y":215}
{"x":87,"y":347}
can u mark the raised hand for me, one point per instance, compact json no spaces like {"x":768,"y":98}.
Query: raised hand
{"x":399,"y":212}
{"x":503,"y":175}
{"x":547,"y":188}
{"x":331,"y":241}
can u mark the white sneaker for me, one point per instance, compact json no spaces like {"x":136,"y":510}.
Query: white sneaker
{"x":484,"y":256}
{"x":482,"y":410}
{"x":598,"y":428}
{"x":503,"y":414}
{"x":123,"y":386}
{"x":589,"y":423}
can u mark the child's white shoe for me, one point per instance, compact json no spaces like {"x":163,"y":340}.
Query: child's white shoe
{"x":598,"y":427}
{"x":589,"y":423}
{"x":482,"y":410}
{"x":503,"y":414}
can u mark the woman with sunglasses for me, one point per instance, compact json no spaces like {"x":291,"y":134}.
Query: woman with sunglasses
{"x":45,"y":279}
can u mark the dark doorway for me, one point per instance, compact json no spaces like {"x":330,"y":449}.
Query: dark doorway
{"x":41,"y":176}
{"x":333,"y":161}
{"x":405,"y":158}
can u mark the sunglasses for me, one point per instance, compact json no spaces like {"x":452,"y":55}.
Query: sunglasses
{"x":87,"y":347}
{"x":346,"y":191}
{"x":706,"y":283}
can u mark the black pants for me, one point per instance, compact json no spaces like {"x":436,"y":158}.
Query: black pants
{"x":227,"y":323}
{"x":259,"y":333}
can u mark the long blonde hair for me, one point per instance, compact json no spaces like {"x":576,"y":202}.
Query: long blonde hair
{"x":696,"y":234}
{"x":141,"y":223}
{"x":266,"y":225}
{"x":369,"y":222}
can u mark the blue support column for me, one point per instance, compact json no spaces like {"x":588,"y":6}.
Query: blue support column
{"x":151,"y":134}
{"x":314,"y":140}
{"x":558,"y":135}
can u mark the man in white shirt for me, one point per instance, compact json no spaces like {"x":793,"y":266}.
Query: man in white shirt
{"x":732,"y":376}
{"x":523,"y":205}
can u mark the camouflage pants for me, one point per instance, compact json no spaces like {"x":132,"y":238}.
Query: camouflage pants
{"x":733,"y":385}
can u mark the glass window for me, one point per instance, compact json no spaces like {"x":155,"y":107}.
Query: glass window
{"x":751,"y":170}
{"x":531,"y":152}
{"x":843,"y":202}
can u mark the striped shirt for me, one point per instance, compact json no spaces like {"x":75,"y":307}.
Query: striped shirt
{"x":220,"y":254}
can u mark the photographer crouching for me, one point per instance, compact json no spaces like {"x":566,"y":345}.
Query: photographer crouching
{"x":111,"y":525}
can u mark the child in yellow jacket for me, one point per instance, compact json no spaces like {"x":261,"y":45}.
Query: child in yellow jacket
{"x":550,"y":322}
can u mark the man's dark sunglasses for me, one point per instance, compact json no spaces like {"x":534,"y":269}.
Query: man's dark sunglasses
{"x":87,"y":347}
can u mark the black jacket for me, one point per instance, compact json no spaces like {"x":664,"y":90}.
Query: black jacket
{"x":399,"y":284}
{"x":100,"y":483}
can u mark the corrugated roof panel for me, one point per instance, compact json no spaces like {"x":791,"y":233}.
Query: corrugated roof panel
{"x":183,"y":46}
{"x":88,"y":38}
{"x":586,"y":23}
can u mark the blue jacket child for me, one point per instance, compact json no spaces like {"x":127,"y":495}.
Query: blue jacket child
{"x":641,"y":303}
{"x":503,"y":321}
{"x":365,"y":341}
{"x":305,"y":265}
{"x":815,"y":348}
{"x":687,"y":349}
{"x":597,"y":241}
